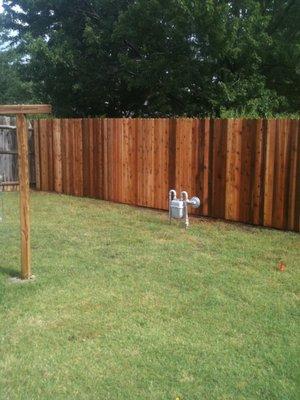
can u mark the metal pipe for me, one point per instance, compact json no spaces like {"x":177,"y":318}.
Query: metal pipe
{"x":184,"y":198}
{"x":172,"y":196}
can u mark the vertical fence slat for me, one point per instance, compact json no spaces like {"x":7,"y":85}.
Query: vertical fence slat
{"x":44,"y":155}
{"x":231,"y":172}
{"x":184,"y":129}
{"x":69,"y":151}
{"x":63,"y":154}
{"x":278,"y":161}
{"x":90,"y":151}
{"x":164,"y":154}
{"x":161,"y":163}
{"x":109,"y":165}
{"x":37,"y":154}
{"x":79,"y":157}
{"x":57,"y":155}
{"x":70,"y":155}
{"x":96,"y":151}
{"x":141,"y":163}
{"x":258,"y":179}
{"x":247,"y":167}
{"x":294,"y":150}
{"x":297,"y":201}
{"x":105,"y":160}
{"x":172,"y":153}
{"x":149,"y":188}
{"x":119,"y":161}
{"x":269,"y":172}
{"x":75,"y":159}
{"x":205,"y":140}
{"x":85,"y":158}
{"x":50,"y":154}
{"x":158,"y":143}
{"x":220,"y":134}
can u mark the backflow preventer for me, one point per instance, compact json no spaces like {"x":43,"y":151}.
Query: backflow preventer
{"x":178,"y":208}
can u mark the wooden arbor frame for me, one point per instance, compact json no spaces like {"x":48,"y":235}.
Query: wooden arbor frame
{"x":20,"y":111}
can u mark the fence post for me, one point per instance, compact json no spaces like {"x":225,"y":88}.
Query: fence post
{"x":22,"y":135}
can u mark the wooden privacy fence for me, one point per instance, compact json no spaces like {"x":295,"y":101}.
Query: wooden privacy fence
{"x":243,"y":170}
{"x":9,"y":154}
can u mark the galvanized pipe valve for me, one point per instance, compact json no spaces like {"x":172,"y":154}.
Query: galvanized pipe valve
{"x":178,"y":208}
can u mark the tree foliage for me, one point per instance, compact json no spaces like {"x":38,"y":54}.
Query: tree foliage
{"x":160,"y":57}
{"x":13,"y":88}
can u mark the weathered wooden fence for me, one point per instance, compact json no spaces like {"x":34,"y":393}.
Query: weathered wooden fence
{"x":9,"y":153}
{"x":243,"y":170}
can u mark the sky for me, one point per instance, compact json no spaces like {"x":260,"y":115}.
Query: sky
{"x":1,"y":8}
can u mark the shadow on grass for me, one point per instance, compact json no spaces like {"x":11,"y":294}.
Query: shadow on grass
{"x":13,"y":273}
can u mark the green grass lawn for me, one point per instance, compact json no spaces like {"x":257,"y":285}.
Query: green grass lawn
{"x":126,"y":306}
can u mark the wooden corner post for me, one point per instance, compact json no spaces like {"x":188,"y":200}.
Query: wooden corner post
{"x":22,"y":135}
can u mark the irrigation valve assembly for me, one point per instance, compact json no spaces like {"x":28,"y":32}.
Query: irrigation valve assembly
{"x":178,"y":208}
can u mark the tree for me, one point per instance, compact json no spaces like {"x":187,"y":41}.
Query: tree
{"x":13,"y":88}
{"x":159,"y":57}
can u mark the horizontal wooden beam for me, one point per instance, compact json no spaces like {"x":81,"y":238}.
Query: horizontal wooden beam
{"x":12,"y":153}
{"x":9,"y":183}
{"x":25,"y":109}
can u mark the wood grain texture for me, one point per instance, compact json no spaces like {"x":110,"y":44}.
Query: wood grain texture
{"x":78,"y":157}
{"x":64,"y":152}
{"x":219,"y":158}
{"x":258,"y":173}
{"x":49,"y":137}
{"x":205,"y":146}
{"x":57,"y":155}
{"x":44,"y":155}
{"x":97,"y":155}
{"x":271,"y":134}
{"x":293,"y":176}
{"x":243,"y":170}
{"x":248,"y":138}
{"x":22,"y":135}
{"x":37,"y":154}
{"x":297,"y":196}
{"x":25,"y":109}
